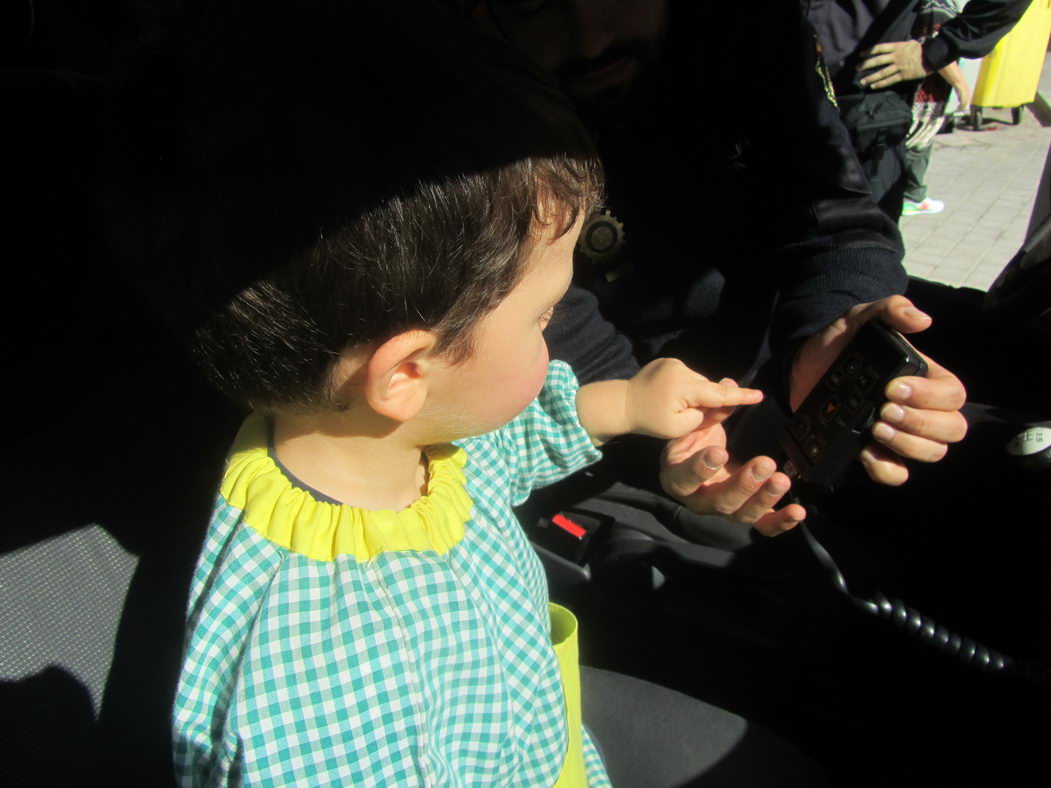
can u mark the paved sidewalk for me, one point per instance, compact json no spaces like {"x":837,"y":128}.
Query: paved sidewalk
{"x":988,"y":181}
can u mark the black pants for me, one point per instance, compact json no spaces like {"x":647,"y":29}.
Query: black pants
{"x":878,"y":123}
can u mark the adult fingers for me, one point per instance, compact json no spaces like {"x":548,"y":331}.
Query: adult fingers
{"x":895,"y":311}
{"x":904,"y":60}
{"x":938,"y":425}
{"x":889,"y":75}
{"x":682,"y":472}
{"x":899,"y":313}
{"x":891,"y":79}
{"x":747,"y":496}
{"x":940,"y":390}
{"x":883,"y":465}
{"x":875,"y":60}
{"x":886,"y":46}
{"x":763,"y":500}
{"x":780,"y":520}
{"x":913,"y":447}
{"x":731,"y":494}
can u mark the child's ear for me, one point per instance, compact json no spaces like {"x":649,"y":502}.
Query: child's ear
{"x":397,"y":379}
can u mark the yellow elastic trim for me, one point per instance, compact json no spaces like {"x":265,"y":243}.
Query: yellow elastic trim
{"x":291,"y":517}
{"x":564,"y":638}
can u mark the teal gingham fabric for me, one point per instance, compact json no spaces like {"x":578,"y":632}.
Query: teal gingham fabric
{"x":413,"y":668}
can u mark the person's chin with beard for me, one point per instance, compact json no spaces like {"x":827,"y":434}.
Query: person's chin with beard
{"x":610,"y":90}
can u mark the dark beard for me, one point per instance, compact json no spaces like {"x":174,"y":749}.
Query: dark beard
{"x":608,"y":113}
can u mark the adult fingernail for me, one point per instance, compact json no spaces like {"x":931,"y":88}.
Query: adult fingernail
{"x":883,"y":431}
{"x":867,"y":456}
{"x":899,"y":391}
{"x":895,"y":414}
{"x":915,"y":313}
{"x":761,"y":472}
{"x":710,"y":463}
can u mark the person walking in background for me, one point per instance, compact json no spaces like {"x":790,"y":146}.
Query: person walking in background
{"x":928,"y":110}
{"x":875,"y":60}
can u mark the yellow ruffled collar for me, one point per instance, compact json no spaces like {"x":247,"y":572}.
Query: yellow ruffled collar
{"x":292,"y":517}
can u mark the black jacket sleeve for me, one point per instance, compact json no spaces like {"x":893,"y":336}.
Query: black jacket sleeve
{"x":579,"y":335}
{"x":974,"y":31}
{"x":835,"y":247}
{"x":797,"y":216}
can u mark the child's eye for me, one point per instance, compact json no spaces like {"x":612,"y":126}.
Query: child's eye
{"x":546,"y":317}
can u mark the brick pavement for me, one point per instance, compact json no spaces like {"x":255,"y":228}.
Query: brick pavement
{"x":988,"y":181}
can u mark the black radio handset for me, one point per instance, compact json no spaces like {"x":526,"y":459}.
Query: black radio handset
{"x":831,"y":427}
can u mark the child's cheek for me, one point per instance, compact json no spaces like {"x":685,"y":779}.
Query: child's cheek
{"x":540,"y":370}
{"x":531,"y":379}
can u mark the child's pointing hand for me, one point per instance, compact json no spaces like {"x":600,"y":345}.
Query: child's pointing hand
{"x":665,"y":399}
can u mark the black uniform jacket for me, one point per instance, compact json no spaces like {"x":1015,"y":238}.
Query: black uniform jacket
{"x":742,"y":204}
{"x":849,"y":27}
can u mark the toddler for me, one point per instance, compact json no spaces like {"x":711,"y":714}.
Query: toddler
{"x":360,"y":219}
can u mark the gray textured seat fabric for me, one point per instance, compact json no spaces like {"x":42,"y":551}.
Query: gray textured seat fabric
{"x":60,"y":604}
{"x":655,"y":737}
{"x":109,"y":450}
{"x":105,"y":512}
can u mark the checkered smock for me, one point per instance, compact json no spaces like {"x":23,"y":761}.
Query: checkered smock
{"x":329,"y":645}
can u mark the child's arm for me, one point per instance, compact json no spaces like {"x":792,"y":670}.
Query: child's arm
{"x":665,"y":399}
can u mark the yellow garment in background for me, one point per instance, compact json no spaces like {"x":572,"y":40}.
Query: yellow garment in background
{"x":1011,"y":72}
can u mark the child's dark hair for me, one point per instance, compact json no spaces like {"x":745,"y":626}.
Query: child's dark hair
{"x":293,"y":179}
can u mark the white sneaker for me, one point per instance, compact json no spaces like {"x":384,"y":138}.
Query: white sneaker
{"x":910,"y":208}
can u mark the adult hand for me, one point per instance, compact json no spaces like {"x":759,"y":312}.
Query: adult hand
{"x":922,"y":415}
{"x":696,"y":470}
{"x":897,"y":61}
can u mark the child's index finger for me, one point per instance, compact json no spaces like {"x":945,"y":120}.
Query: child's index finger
{"x":709,"y":394}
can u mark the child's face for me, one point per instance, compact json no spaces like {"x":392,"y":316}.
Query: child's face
{"x":508,"y":362}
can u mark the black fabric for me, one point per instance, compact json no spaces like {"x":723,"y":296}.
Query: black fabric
{"x":578,"y":335}
{"x":745,"y":232}
{"x":884,"y":166}
{"x":965,"y":541}
{"x":847,"y":29}
{"x":654,"y":737}
{"x":122,"y":483}
{"x":997,"y":365}
{"x":49,"y":733}
{"x":766,"y":634}
{"x":974,"y":32}
{"x":875,"y":120}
